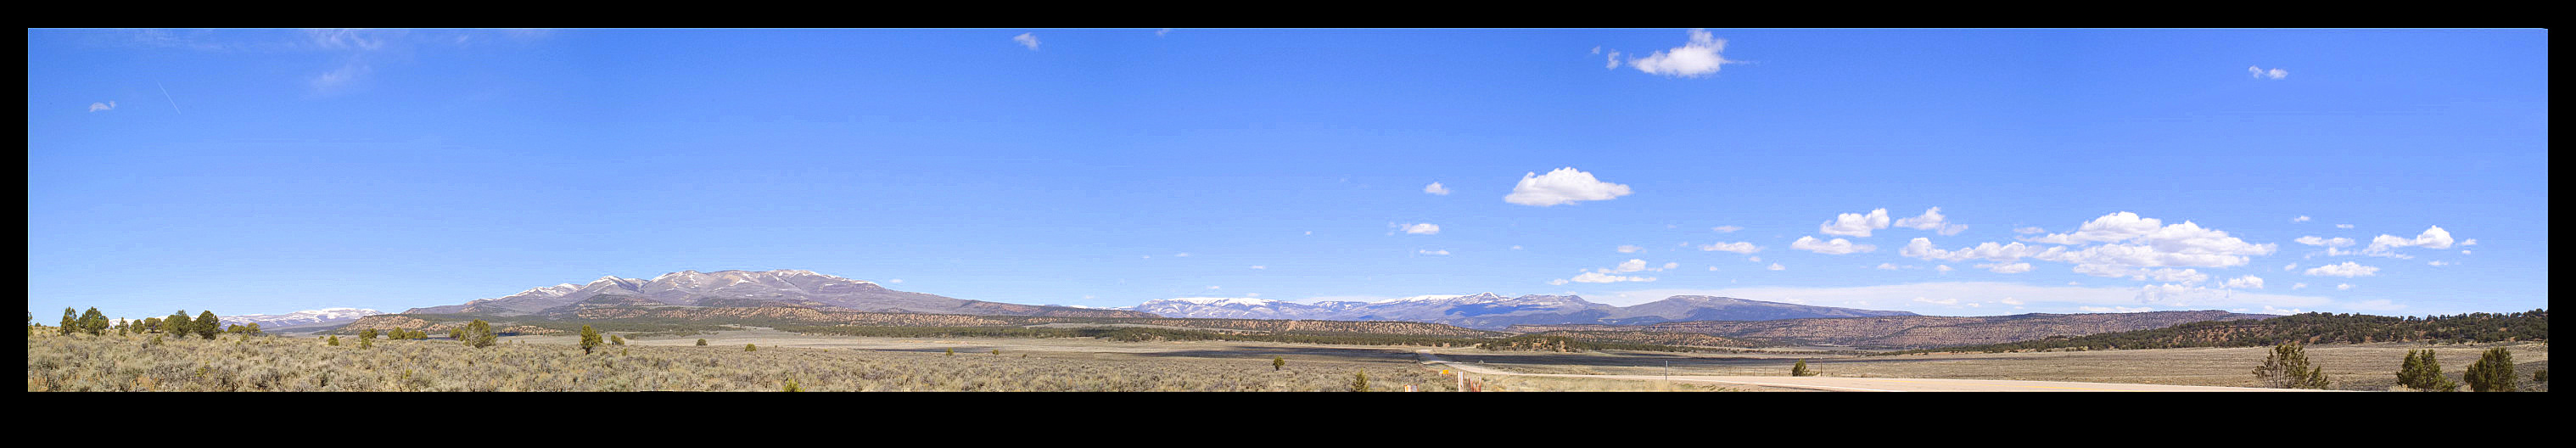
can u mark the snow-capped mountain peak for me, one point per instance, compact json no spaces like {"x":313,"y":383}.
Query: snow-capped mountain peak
{"x":1220,"y":301}
{"x":300,"y":318}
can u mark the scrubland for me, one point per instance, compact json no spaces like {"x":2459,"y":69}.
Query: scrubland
{"x":236,"y":363}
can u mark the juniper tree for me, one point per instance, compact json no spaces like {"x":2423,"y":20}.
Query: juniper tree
{"x":93,"y":322}
{"x":177,"y":324}
{"x":207,"y":324}
{"x":616,"y":339}
{"x":702,"y":342}
{"x":589,"y":339}
{"x":1359,"y":382}
{"x":1801,"y":369}
{"x":367,"y":334}
{"x":2422,"y":372}
{"x":478,"y":334}
{"x":334,"y":341}
{"x":2493,"y":372}
{"x":71,"y":320}
{"x":2288,"y":368}
{"x":750,"y":347}
{"x":1278,"y":362}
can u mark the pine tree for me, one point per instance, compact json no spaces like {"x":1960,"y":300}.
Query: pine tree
{"x":2493,"y":372}
{"x":589,"y":339}
{"x":207,"y":324}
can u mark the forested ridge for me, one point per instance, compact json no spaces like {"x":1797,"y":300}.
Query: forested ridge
{"x":2308,"y":328}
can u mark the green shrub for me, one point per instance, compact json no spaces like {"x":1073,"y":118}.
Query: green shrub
{"x":2288,"y":368}
{"x":2493,"y":372}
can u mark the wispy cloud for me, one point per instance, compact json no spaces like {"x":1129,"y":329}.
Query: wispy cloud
{"x":1027,"y":40}
{"x":2260,"y":73}
{"x":94,"y":107}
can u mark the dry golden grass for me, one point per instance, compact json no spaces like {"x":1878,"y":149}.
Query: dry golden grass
{"x":233,"y":363}
{"x":2351,"y":366}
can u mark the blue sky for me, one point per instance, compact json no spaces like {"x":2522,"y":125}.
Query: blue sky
{"x":269,"y":171}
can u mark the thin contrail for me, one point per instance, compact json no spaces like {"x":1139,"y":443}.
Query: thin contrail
{"x":165,"y":94}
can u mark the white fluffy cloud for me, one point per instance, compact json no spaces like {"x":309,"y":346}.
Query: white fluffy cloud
{"x":1562,"y":186}
{"x":1435,"y":188}
{"x":1854,"y":224}
{"x":2343,"y":286}
{"x":2347,"y":269}
{"x":1027,"y":39}
{"x":2142,"y":242}
{"x":2385,"y":245}
{"x":2112,"y":227}
{"x":2245,"y":282}
{"x":1933,"y":221}
{"x":1741,"y":247}
{"x":1922,"y":248}
{"x":1695,"y":59}
{"x":1632,"y":265}
{"x":1778,"y":267}
{"x":1838,"y":246}
{"x":1420,"y":228}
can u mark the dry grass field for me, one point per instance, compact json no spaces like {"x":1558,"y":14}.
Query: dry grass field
{"x":843,"y":363}
{"x":2352,"y":366}
{"x":234,"y":363}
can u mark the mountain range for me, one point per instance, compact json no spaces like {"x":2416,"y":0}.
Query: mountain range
{"x":735,"y":288}
{"x":306,"y":318}
{"x":1490,"y":311}
{"x":1916,"y":331}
